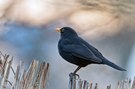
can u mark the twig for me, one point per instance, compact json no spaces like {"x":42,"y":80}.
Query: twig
{"x":12,"y":70}
{"x":2,"y":54}
{"x":9,"y":82}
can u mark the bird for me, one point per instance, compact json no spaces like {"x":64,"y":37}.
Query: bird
{"x":76,"y":50}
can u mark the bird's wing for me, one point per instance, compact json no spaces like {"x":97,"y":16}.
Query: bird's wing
{"x":93,"y":49}
{"x":81,"y":51}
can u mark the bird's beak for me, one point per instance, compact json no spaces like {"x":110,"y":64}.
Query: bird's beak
{"x":58,"y":29}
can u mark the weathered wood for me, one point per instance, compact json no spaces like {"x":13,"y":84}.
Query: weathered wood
{"x":133,"y":85}
{"x":33,"y":78}
{"x":96,"y":86}
{"x":72,"y":81}
{"x":90,"y":86}
{"x":5,"y":73}
{"x":109,"y":87}
{"x":83,"y":84}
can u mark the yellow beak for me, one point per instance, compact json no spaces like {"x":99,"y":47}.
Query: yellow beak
{"x":58,"y":29}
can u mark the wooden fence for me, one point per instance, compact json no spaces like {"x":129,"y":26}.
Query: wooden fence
{"x":33,"y":78}
{"x":76,"y":83}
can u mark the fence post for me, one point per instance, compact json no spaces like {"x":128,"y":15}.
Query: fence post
{"x":72,"y":81}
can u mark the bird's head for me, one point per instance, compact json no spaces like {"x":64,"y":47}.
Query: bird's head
{"x":66,"y":31}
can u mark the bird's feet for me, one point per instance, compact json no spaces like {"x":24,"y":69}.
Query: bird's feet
{"x":73,"y":75}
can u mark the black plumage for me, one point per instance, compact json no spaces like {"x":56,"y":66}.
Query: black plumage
{"x":77,"y":51}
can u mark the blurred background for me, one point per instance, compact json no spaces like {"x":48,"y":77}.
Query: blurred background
{"x":27,"y":31}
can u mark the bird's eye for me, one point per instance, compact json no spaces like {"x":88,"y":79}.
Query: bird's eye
{"x":62,"y":30}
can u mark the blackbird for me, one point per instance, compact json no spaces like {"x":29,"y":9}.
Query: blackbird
{"x":77,"y":51}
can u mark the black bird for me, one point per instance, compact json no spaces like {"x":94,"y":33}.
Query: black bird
{"x":77,"y":51}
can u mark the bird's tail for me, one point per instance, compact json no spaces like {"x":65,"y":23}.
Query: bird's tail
{"x":111,"y":64}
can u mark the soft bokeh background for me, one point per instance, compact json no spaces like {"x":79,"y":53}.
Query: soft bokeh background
{"x":27,"y":31}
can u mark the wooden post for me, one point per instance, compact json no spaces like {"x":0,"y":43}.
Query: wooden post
{"x":72,"y":81}
{"x":133,"y":85}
